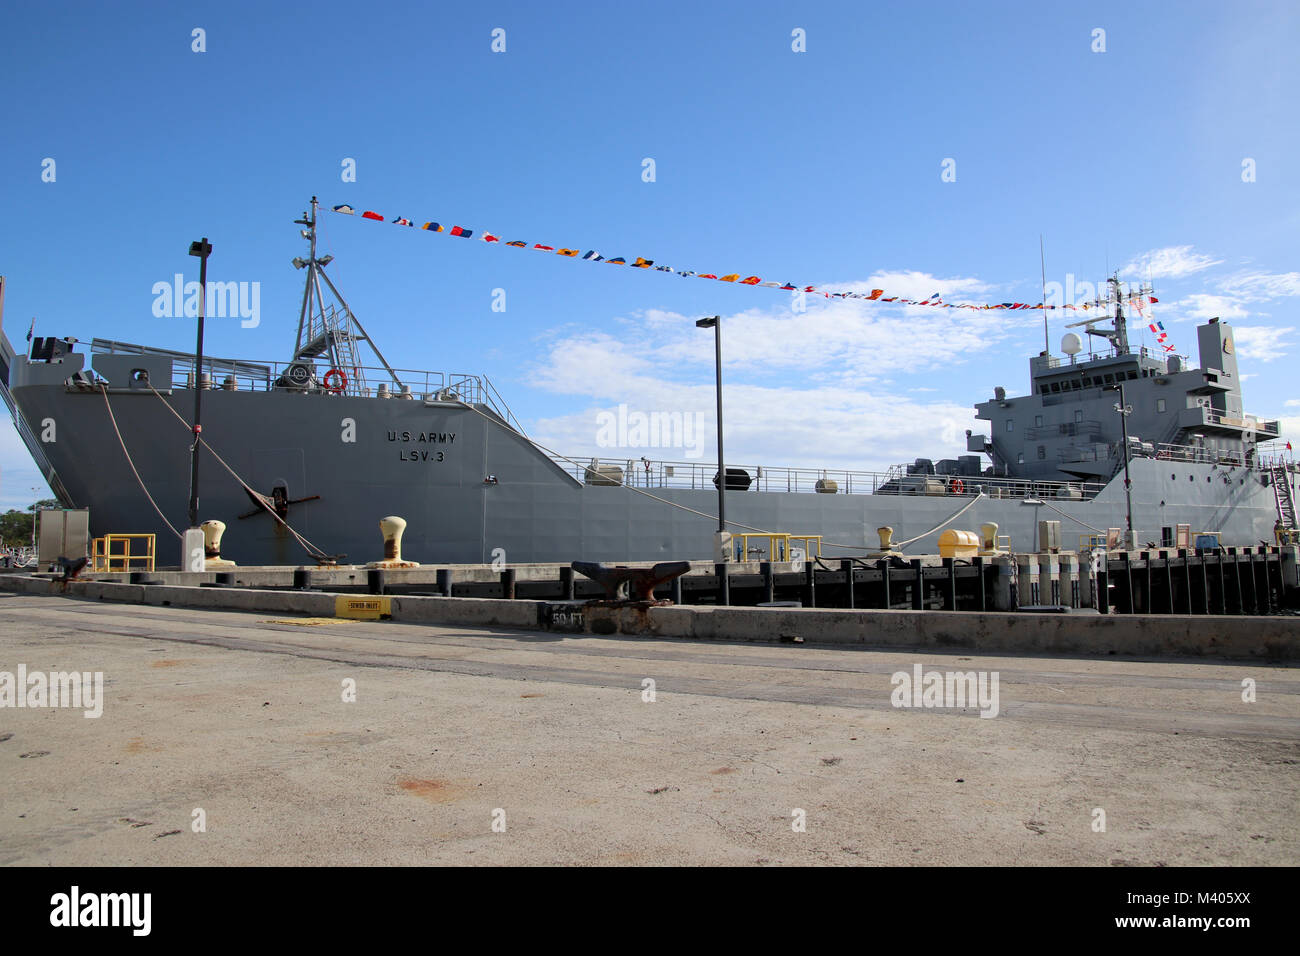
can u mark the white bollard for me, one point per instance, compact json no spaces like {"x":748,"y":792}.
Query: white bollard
{"x":989,"y":538}
{"x":393,"y":527}
{"x":212,"y":532}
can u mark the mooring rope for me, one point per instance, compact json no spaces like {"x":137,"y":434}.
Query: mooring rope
{"x":103,"y":390}
{"x":257,"y":497}
{"x":1073,"y":518}
{"x":969,"y":505}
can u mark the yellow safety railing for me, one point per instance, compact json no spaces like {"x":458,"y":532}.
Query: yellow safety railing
{"x":779,"y":545}
{"x":115,"y":552}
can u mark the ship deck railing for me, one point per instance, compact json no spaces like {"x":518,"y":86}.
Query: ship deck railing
{"x":693,"y":475}
{"x":361,"y":381}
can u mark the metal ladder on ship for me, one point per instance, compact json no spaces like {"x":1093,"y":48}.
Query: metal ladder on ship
{"x":1280,"y":479}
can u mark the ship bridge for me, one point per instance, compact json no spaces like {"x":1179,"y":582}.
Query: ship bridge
{"x":1069,"y":426}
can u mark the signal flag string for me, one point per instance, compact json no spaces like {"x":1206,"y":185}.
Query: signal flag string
{"x":935,"y":300}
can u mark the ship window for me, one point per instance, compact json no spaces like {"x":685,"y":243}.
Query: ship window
{"x":1056,"y":386}
{"x":1110,"y":379}
{"x":1078,"y":414}
{"x":1020,"y":459}
{"x":1038,"y":421}
{"x":1160,"y":404}
{"x":1132,"y":374}
{"x":1011,"y":425}
{"x":1042,"y":452}
{"x":1166,"y":537}
{"x":1087,"y":381}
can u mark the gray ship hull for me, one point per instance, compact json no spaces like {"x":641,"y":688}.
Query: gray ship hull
{"x":433,"y":464}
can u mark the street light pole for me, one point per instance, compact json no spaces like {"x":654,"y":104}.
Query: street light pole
{"x":202,"y":249}
{"x":723,"y":549}
{"x":715,"y":323}
{"x":1124,"y":412}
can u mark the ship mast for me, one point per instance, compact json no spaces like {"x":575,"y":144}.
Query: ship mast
{"x":332,"y":331}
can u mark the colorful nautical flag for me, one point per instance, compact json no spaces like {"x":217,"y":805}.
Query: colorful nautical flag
{"x":935,"y":299}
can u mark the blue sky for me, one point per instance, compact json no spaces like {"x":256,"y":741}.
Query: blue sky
{"x":819,"y":167}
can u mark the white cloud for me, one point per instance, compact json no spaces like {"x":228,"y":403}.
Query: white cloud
{"x":807,"y":388}
{"x":1171,"y":262}
{"x":1262,"y":343}
{"x":1201,"y":306}
{"x":1293,"y":403}
{"x":1261,"y":286}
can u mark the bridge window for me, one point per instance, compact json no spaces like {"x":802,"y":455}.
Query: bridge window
{"x":1078,"y":414}
{"x":1038,"y":421}
{"x":1042,"y":452}
{"x":1011,"y":425}
{"x":1110,"y":379}
{"x":1160,"y":404}
{"x":1056,"y":386}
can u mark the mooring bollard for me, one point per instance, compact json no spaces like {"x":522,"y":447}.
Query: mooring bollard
{"x":212,"y":532}
{"x":989,"y":538}
{"x":769,"y":581}
{"x":566,"y":584}
{"x":392,"y":528}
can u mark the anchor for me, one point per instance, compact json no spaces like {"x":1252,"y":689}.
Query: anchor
{"x":641,"y":582}
{"x":278,"y":502}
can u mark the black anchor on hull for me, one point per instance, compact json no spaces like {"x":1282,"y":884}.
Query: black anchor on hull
{"x":277,"y":502}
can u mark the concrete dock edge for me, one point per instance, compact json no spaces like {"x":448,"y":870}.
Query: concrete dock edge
{"x":1231,"y":637}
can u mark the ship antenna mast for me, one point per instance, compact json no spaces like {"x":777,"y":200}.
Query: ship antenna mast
{"x":1121,"y":324}
{"x":331,"y":332}
{"x":1042,"y":261}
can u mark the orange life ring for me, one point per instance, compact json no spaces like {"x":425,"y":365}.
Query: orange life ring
{"x":342,"y":380}
{"x":958,"y":486}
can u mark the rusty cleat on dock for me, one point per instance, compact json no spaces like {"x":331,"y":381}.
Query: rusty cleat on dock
{"x":624,"y":585}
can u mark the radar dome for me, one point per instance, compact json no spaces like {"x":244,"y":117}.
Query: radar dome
{"x":1071,"y":344}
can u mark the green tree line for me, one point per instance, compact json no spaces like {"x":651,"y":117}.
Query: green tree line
{"x":16,"y":526}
